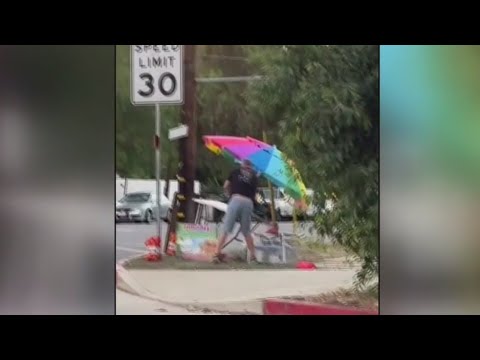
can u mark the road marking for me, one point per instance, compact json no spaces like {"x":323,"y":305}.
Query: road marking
{"x":126,"y":230}
{"x":131,"y":250}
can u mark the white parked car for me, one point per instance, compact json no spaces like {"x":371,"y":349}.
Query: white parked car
{"x":141,"y":207}
{"x":284,"y":204}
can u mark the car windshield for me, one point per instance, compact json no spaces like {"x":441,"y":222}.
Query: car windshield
{"x":136,"y":198}
{"x":266,"y":194}
{"x":276,"y":192}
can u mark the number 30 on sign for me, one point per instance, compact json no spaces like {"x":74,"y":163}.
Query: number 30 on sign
{"x":156,"y":74}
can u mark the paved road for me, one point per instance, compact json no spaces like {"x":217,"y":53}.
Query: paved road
{"x":131,"y":237}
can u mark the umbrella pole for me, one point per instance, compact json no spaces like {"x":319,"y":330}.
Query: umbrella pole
{"x":295,"y":221}
{"x":272,"y":198}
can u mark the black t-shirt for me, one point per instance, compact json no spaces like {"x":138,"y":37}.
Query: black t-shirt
{"x":243,"y":182}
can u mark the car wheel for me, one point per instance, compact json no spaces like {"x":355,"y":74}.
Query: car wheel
{"x":168,"y":216}
{"x":148,"y":216}
{"x":279,"y":215}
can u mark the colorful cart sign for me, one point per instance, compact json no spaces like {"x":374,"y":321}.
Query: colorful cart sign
{"x":196,"y":242}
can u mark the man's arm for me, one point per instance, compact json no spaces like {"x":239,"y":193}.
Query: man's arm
{"x":256,"y":181}
{"x":226,"y":188}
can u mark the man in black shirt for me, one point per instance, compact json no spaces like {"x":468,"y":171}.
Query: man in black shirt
{"x":241,"y":186}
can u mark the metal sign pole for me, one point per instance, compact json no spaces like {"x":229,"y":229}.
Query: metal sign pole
{"x":157,"y":168}
{"x":157,"y":86}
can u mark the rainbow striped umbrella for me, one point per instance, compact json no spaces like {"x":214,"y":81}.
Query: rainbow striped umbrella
{"x":266,"y":159}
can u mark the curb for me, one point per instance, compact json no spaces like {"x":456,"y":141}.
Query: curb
{"x":127,"y":261}
{"x":129,"y":285}
{"x":266,"y":307}
{"x":122,"y":281}
{"x":289,"y":307}
{"x":125,"y":283}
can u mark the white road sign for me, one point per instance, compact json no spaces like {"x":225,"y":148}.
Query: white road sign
{"x":157,"y":74}
{"x":178,"y":132}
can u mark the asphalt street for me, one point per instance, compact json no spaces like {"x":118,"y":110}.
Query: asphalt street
{"x":131,"y":237}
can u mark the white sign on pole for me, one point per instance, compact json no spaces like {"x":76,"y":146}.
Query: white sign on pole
{"x":157,"y":74}
{"x":178,"y":132}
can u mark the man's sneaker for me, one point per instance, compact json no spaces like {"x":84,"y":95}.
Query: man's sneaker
{"x":218,"y":258}
{"x":253,"y":261}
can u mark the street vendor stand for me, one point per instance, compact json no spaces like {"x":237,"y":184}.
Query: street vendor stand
{"x":202,"y":211}
{"x":257,"y":220}
{"x":267,"y":161}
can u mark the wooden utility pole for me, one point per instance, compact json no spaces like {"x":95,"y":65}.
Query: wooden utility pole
{"x":188,"y":146}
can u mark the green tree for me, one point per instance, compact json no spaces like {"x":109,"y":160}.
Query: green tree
{"x":135,"y":129}
{"x":325,"y":99}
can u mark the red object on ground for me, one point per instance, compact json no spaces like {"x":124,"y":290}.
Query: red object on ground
{"x":172,"y":245}
{"x":289,"y":307}
{"x":153,"y":241}
{"x":306,"y":265}
{"x":273,"y":230}
{"x":153,"y":257}
{"x":154,"y":245}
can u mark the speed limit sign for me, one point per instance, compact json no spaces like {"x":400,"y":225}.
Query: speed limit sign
{"x":156,"y":74}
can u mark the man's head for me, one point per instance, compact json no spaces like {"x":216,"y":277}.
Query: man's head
{"x":247,"y":164}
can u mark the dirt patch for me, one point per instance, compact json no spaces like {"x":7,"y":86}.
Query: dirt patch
{"x":176,"y":263}
{"x":204,"y":310}
{"x":362,"y":300}
{"x":325,"y":256}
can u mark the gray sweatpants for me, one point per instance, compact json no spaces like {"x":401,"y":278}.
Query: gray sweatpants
{"x":241,"y":209}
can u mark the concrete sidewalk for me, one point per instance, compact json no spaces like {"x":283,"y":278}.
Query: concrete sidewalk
{"x":217,"y":287}
{"x":128,"y":304}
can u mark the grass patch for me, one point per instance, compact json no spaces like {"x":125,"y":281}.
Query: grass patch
{"x":177,"y":263}
{"x":315,"y":251}
{"x":360,"y":299}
